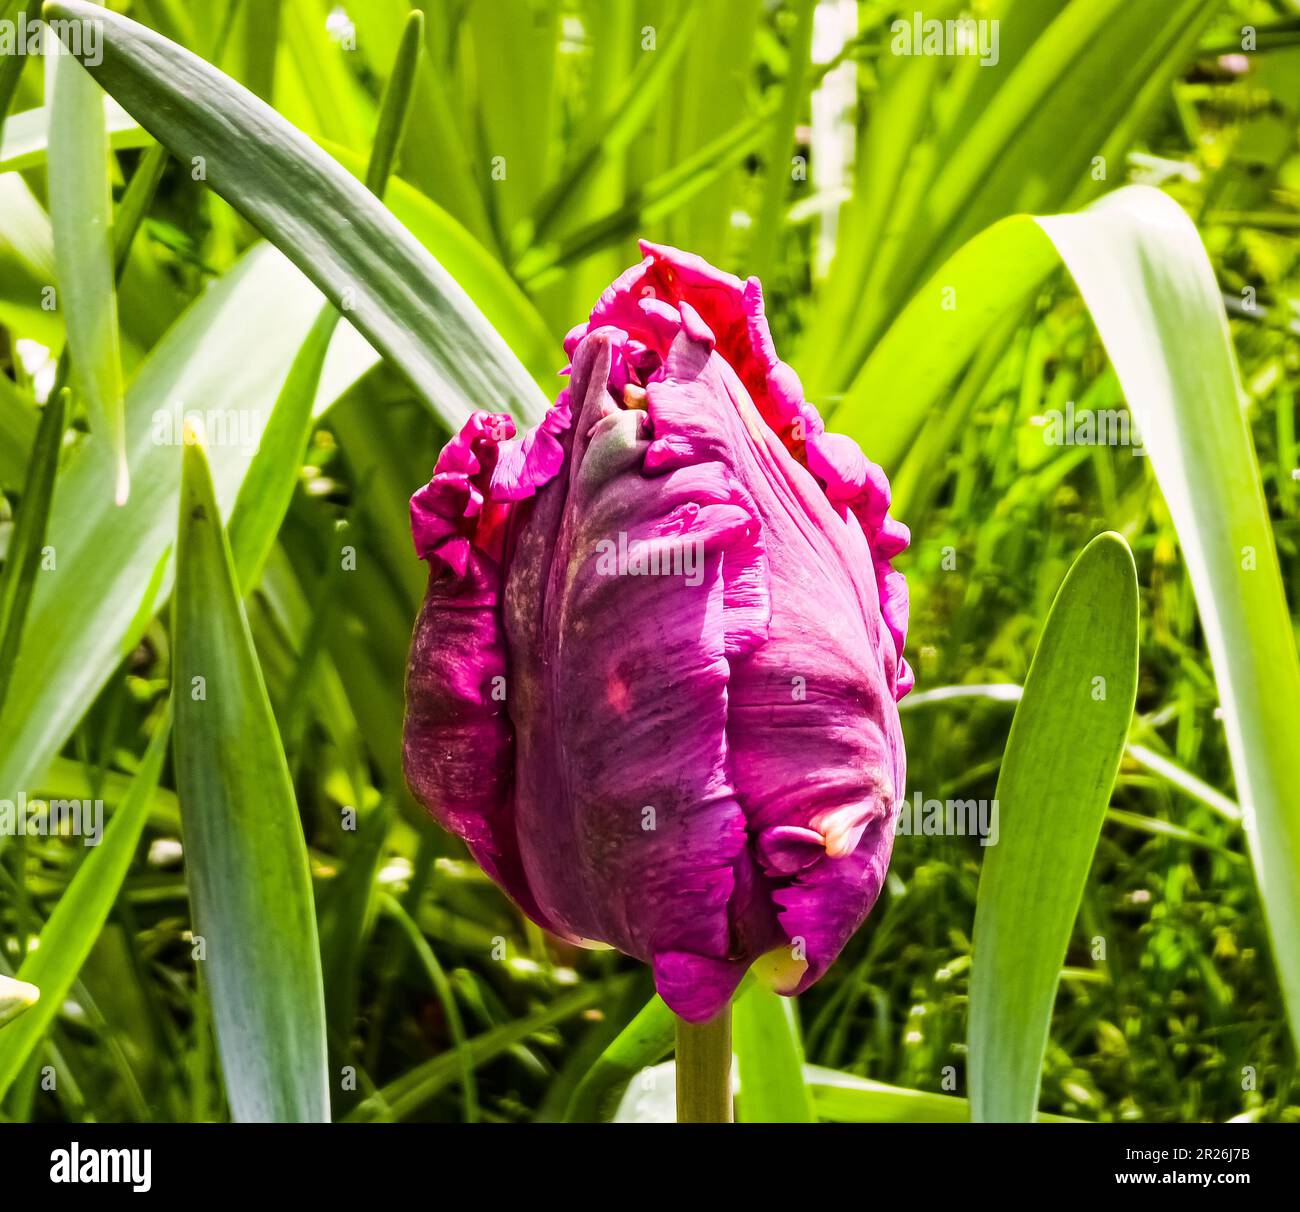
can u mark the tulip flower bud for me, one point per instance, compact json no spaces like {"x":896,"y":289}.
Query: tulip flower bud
{"x":653,"y":684}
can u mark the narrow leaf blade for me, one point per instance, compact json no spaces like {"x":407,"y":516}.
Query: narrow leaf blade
{"x":1066,"y":741}
{"x":246,"y":860}
{"x":81,"y":215}
{"x":769,"y":1056}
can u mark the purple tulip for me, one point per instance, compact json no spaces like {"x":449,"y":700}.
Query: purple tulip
{"x":653,"y":684}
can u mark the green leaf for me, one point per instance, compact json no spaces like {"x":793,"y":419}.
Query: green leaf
{"x":80,"y":915}
{"x":323,"y":219}
{"x":1141,"y":268}
{"x":769,"y":1057}
{"x":22,"y":562}
{"x":1061,"y":758}
{"x":246,"y":860}
{"x":81,"y":214}
{"x":267,"y":489}
{"x":446,"y":998}
{"x":74,"y":639}
{"x":395,"y":108}
{"x":846,"y":1099}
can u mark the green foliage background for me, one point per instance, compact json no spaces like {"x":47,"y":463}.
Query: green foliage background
{"x":542,"y":140}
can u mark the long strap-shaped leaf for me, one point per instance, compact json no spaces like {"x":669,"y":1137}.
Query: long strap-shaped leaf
{"x":318,"y":214}
{"x":81,"y":215}
{"x":246,"y":860}
{"x":1061,"y":758}
{"x":1140,"y":266}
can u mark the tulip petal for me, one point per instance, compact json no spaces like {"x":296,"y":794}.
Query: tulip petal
{"x":662,"y":576}
{"x":458,"y":740}
{"x":732,"y":310}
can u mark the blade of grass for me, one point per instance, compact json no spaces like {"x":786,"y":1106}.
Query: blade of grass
{"x":446,"y":998}
{"x":1061,"y":759}
{"x":415,"y":1088}
{"x":325,"y":221}
{"x":81,"y":215}
{"x":246,"y":859}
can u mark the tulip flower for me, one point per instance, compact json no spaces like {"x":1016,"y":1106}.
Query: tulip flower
{"x":654,"y":681}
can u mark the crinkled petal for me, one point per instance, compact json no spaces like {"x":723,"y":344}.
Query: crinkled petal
{"x":642,"y":844}
{"x":458,"y":740}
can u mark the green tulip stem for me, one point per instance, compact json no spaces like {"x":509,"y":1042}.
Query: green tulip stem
{"x":704,"y":1070}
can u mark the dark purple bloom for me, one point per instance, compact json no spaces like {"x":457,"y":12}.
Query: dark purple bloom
{"x":654,"y":681}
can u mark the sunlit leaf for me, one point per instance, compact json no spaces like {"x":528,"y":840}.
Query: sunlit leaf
{"x":1055,"y":783}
